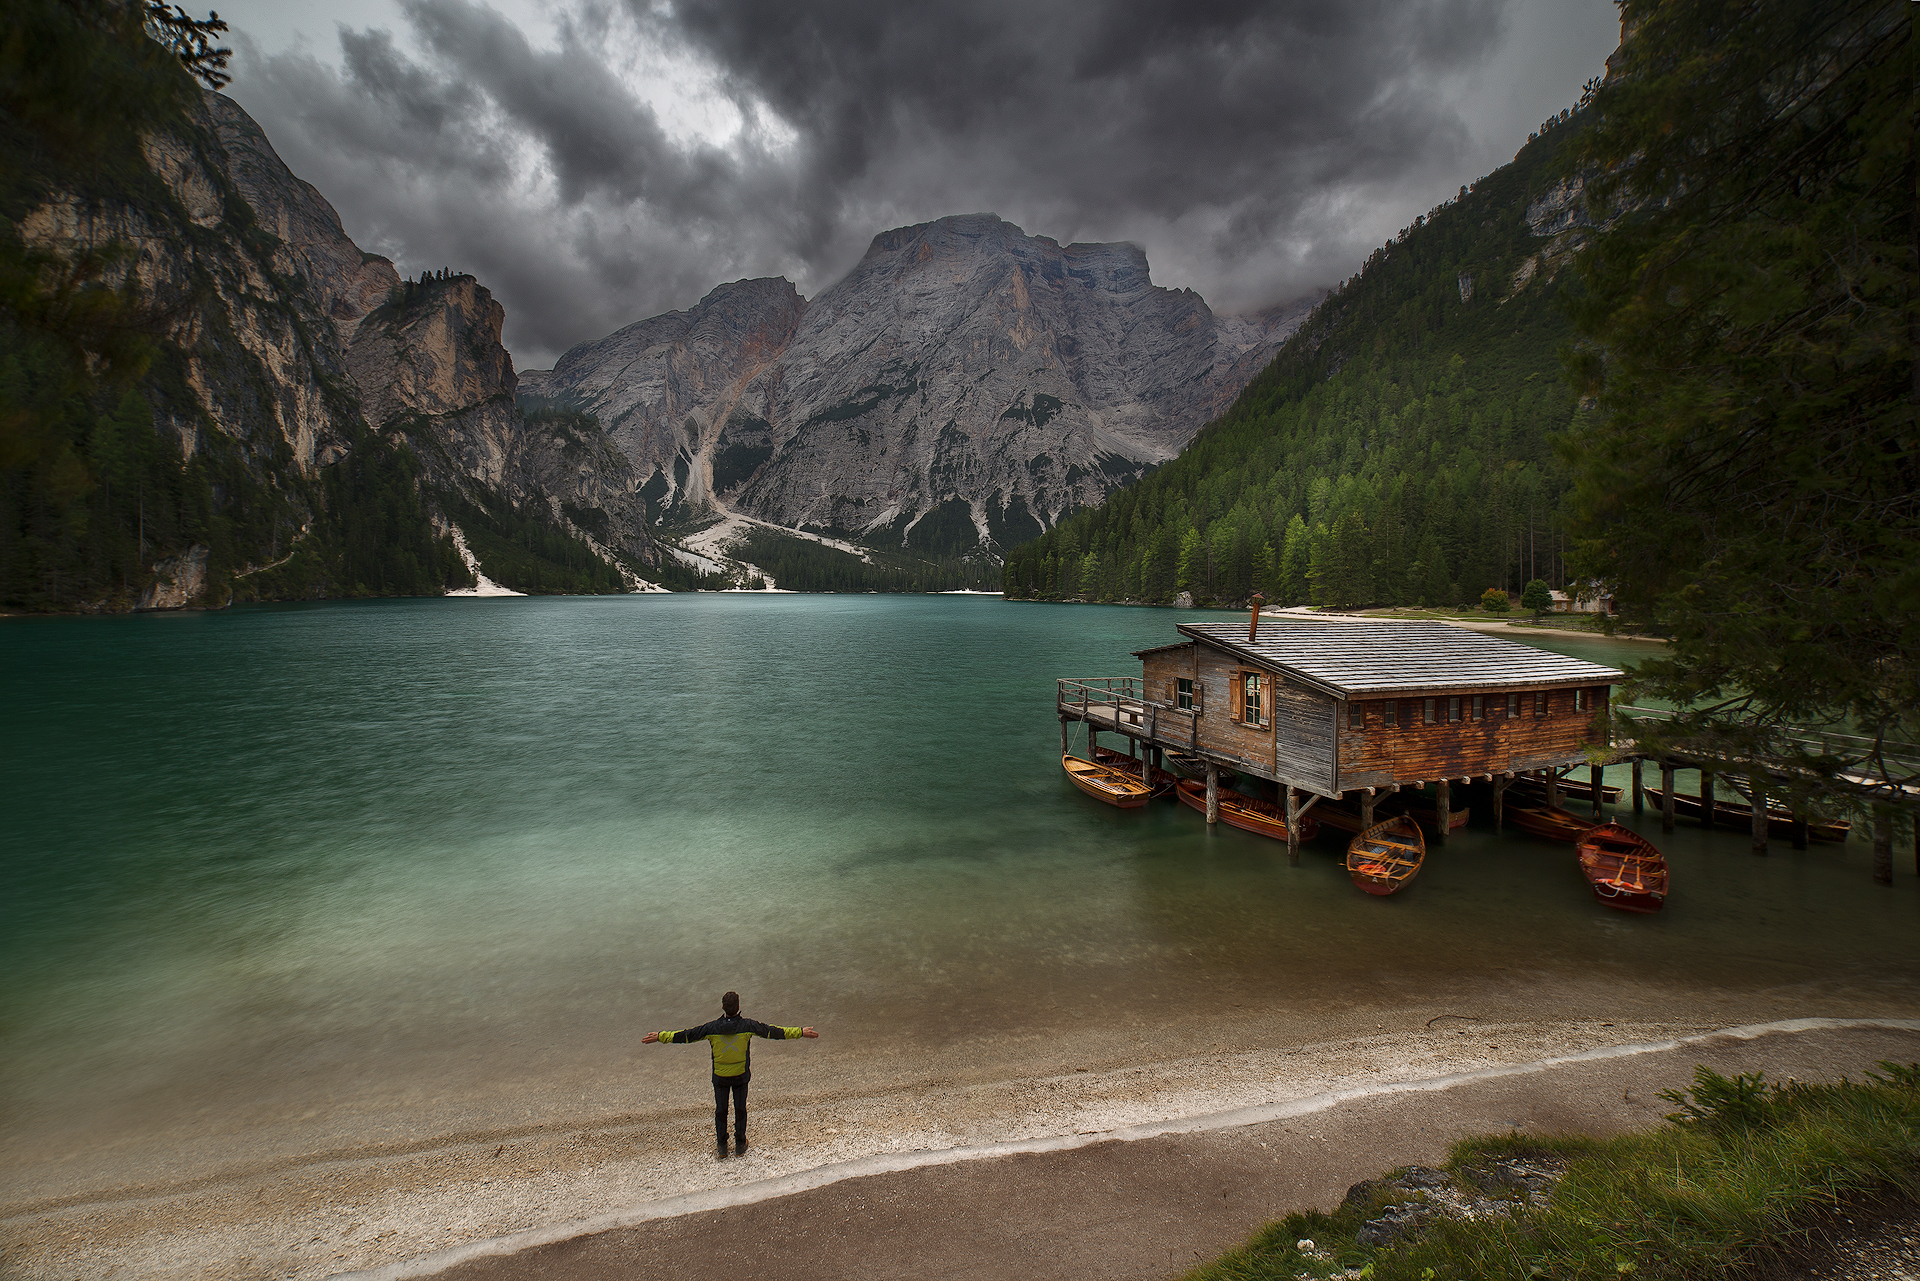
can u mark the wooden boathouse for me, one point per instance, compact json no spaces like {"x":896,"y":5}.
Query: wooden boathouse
{"x":1329,"y":708}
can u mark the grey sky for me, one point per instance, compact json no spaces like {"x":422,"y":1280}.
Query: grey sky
{"x":598,"y":161}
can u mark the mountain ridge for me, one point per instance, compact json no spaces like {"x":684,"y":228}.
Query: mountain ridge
{"x":962,"y":376}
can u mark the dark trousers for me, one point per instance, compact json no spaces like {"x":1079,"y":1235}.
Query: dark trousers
{"x":736,"y":1086}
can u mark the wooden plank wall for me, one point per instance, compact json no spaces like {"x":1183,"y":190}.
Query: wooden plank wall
{"x":1303,"y":735}
{"x":1376,"y":755}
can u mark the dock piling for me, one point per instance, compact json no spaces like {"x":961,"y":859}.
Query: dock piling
{"x":1759,"y":814}
{"x":1500,"y":785}
{"x":1597,"y":774}
{"x":1706,"y":798}
{"x":1213,"y":793}
{"x":1366,"y":808}
{"x":1666,"y":796}
{"x":1639,"y":789}
{"x":1442,"y":808}
{"x":1293,"y":826}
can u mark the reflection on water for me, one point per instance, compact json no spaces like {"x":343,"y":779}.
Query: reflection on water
{"x":385,"y":864}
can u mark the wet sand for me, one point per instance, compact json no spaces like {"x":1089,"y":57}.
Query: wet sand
{"x":362,"y":1206}
{"x":1144,"y":1203}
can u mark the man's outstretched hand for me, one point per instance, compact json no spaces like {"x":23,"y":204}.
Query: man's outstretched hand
{"x":649,"y":1038}
{"x":809,"y":1032}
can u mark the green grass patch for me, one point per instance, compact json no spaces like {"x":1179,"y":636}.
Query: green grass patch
{"x":1743,"y":1177}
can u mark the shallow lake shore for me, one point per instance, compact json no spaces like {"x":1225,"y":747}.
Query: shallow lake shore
{"x":345,"y":1211}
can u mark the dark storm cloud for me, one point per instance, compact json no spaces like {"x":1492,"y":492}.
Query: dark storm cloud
{"x":1257,"y":150}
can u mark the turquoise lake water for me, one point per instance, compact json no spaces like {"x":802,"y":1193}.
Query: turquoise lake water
{"x":311,"y":876}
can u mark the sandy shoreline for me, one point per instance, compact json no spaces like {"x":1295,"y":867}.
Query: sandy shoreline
{"x":344,"y":1213}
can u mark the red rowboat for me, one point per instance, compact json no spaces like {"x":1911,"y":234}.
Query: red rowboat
{"x":1553,"y":823}
{"x":1738,"y":815}
{"x":1132,"y":765}
{"x":1427,"y":813}
{"x":1263,"y":818}
{"x":1341,"y":815}
{"x":1624,"y":868}
{"x":1387,"y":855}
{"x":1104,"y":783}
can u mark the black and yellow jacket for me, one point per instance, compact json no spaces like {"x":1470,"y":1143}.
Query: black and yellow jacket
{"x":732,"y":1041}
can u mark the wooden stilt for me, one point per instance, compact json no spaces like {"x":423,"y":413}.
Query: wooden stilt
{"x":1706,"y":798}
{"x":1063,"y":736}
{"x":1500,"y":786}
{"x":1666,"y":800}
{"x":1366,"y":809}
{"x":1553,"y":788}
{"x":1597,"y":774}
{"x":1093,"y":741}
{"x":1759,"y":793}
{"x":1639,"y":787}
{"x":1799,"y":829}
{"x":1293,"y":825}
{"x":1882,"y":845}
{"x":1443,"y":808}
{"x":1213,"y":793}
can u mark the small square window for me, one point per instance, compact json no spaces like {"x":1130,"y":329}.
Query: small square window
{"x":1513,"y":704}
{"x":1183,"y":694}
{"x":1390,"y":714}
{"x":1432,"y":716}
{"x":1479,"y":706}
{"x":1356,"y":715}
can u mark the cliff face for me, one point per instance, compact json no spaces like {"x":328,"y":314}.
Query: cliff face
{"x":963,"y":386}
{"x":429,"y":362}
{"x":281,"y":349}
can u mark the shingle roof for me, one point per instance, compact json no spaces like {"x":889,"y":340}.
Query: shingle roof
{"x":1351,"y":660}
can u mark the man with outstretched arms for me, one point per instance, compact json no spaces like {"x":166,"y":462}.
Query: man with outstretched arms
{"x":731,"y":1038}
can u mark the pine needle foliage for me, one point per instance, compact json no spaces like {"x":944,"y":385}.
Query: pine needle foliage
{"x":1398,"y":450}
{"x":1750,"y":327}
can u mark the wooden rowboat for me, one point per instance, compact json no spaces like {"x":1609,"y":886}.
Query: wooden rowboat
{"x":1263,"y":818}
{"x":1104,"y":783}
{"x":1194,"y":767}
{"x":1387,"y":855}
{"x":1427,"y":813}
{"x":1342,"y":816}
{"x":1551,"y":822}
{"x":1132,"y":766}
{"x":1738,"y":815}
{"x":1570,"y":789}
{"x":1624,"y":868}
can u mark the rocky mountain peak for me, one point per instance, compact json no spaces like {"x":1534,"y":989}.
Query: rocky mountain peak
{"x":962,"y":387}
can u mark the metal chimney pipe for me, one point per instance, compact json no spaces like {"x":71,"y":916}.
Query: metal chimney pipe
{"x":1253,"y":623}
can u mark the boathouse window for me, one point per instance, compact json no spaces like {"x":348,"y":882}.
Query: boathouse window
{"x":1356,"y":715}
{"x":1513,"y":704}
{"x":1453,"y":710}
{"x":1183,"y":693}
{"x":1539,"y":702}
{"x":1432,"y":715}
{"x":1253,"y":698}
{"x":1579,"y":700}
{"x":1479,"y":706}
{"x":1390,"y":714}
